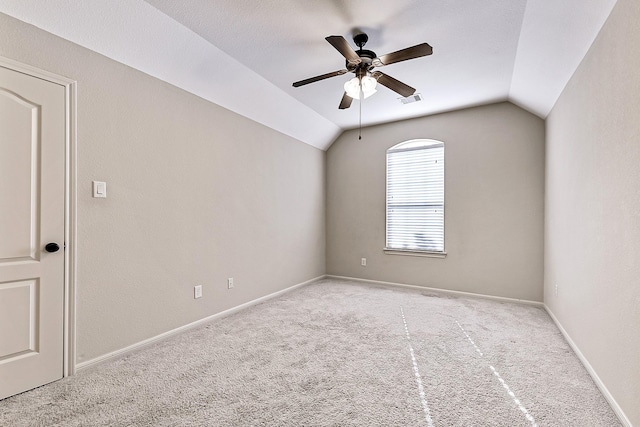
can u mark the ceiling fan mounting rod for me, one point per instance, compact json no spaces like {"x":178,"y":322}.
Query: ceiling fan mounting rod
{"x":366,"y":56}
{"x":360,"y":39}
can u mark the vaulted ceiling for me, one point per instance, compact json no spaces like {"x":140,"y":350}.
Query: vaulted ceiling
{"x":245,"y":54}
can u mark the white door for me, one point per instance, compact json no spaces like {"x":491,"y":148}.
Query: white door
{"x":32,"y":187}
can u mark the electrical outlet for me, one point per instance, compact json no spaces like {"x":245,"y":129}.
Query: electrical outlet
{"x":363,"y":262}
{"x":197,"y":291}
{"x":230,"y":282}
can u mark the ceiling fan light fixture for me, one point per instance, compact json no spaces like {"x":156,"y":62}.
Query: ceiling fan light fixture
{"x":352,"y":87}
{"x":361,"y":63}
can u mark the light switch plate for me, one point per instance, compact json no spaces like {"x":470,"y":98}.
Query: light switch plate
{"x":99,"y":189}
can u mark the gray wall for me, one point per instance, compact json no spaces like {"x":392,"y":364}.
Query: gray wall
{"x":494,"y":184}
{"x":196,"y":194}
{"x":592,"y":234}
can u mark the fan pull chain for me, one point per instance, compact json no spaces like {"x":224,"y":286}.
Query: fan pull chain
{"x":360,"y":122}
{"x":360,"y":115}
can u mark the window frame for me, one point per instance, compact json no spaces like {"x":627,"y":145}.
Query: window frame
{"x":425,"y":144}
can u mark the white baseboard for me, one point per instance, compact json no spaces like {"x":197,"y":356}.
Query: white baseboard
{"x":181,"y":329}
{"x":603,"y":389}
{"x":444,"y":291}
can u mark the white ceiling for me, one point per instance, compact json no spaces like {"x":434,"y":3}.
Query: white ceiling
{"x":245,"y":54}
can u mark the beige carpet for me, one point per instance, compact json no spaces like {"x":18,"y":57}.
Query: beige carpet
{"x":338,"y":354}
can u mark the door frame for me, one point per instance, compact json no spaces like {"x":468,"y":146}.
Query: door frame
{"x":70,"y":204}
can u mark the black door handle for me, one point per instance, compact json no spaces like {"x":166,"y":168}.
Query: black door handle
{"x":52,"y":247}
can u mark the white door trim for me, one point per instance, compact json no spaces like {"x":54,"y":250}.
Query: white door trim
{"x":69,"y":203}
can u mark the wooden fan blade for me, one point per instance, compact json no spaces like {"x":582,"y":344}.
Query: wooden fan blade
{"x":393,"y":84}
{"x":402,"y":55}
{"x":318,"y":78}
{"x":346,"y":101}
{"x":343,"y":47}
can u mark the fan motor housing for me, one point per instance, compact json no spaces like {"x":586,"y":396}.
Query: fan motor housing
{"x":366,"y":57}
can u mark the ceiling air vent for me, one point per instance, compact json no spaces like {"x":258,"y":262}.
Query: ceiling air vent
{"x":413,"y":98}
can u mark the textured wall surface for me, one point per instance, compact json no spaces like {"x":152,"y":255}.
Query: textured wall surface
{"x":494,"y":184}
{"x":592,"y":234}
{"x":196,"y":194}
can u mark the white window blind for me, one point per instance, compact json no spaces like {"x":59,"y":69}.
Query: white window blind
{"x":415,"y":196}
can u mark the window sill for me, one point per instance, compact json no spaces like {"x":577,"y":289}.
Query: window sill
{"x":409,"y":252}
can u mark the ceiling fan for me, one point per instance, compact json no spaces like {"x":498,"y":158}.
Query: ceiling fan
{"x":362,"y":62}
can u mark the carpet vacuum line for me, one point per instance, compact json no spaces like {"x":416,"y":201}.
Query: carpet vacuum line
{"x":526,"y":413}
{"x":423,"y":396}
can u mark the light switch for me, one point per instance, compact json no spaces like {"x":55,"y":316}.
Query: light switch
{"x":99,"y":189}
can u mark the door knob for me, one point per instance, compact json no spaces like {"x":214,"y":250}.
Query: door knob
{"x":52,"y":247}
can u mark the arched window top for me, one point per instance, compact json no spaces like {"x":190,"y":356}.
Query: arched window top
{"x":413,"y":144}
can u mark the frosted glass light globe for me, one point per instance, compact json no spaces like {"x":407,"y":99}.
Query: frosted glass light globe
{"x":352,"y":87}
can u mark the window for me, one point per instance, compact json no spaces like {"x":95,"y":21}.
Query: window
{"x":415,"y":197}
